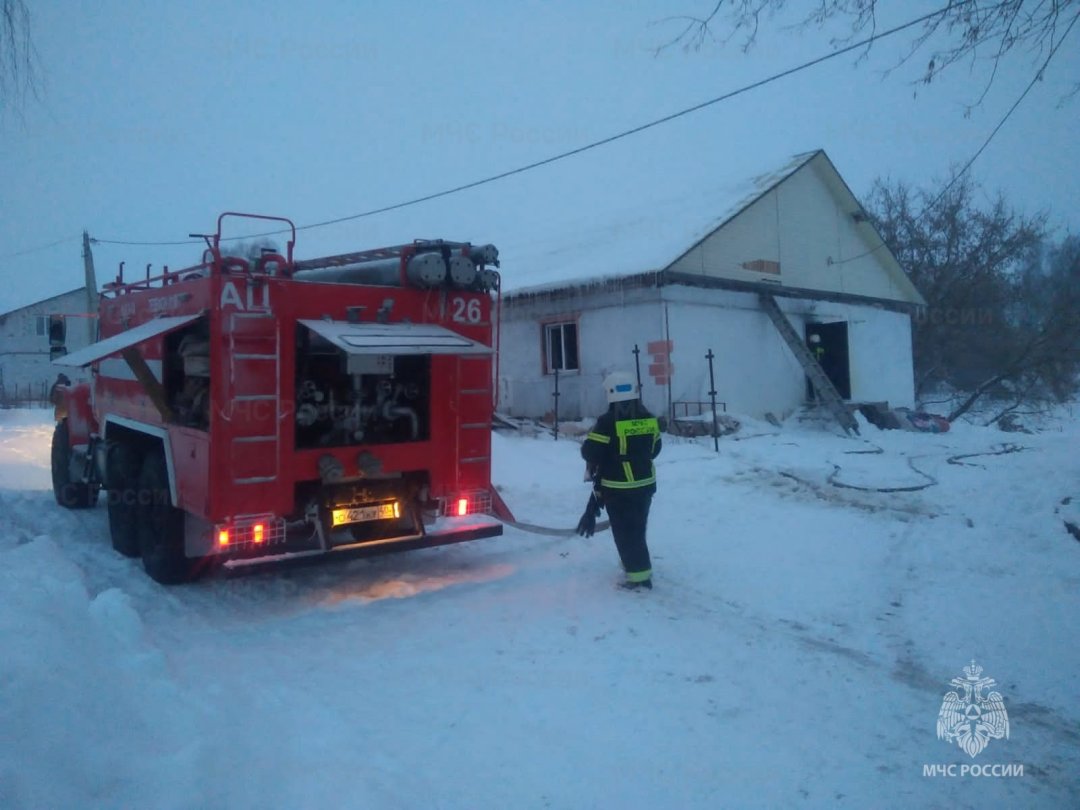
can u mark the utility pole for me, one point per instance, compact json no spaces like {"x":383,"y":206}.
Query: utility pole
{"x":91,"y":290}
{"x":712,"y":398}
{"x":556,"y":395}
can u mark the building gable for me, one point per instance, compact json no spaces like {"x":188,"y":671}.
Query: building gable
{"x":795,"y":230}
{"x":63,"y":303}
{"x":806,"y":231}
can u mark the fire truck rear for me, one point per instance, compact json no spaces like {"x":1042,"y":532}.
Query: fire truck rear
{"x":252,"y":409}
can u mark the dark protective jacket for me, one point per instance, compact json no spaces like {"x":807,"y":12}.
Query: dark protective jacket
{"x":621,"y":448}
{"x":57,"y":398}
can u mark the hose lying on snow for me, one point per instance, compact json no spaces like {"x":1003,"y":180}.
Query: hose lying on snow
{"x":586,"y":527}
{"x":1006,"y":448}
{"x":930,"y":481}
{"x":532,"y":528}
{"x":831,"y":480}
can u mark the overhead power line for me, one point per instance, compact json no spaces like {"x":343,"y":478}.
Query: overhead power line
{"x":39,"y":248}
{"x":963,"y":170}
{"x":578,"y":150}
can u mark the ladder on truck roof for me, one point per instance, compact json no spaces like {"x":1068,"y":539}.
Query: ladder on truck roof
{"x":393,"y":252}
{"x":824,"y":387}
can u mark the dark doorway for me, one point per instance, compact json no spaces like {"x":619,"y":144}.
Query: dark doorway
{"x":828,"y":342}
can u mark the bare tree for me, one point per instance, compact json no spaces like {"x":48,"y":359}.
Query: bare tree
{"x":18,"y":60}
{"x":1003,"y":315}
{"x":964,"y":30}
{"x":962,"y":258}
{"x":1044,"y":365}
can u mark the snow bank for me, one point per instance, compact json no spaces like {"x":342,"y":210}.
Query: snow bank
{"x":90,"y":713}
{"x":23,"y":434}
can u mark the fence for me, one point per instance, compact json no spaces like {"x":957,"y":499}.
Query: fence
{"x":30,"y":395}
{"x":686,"y":409}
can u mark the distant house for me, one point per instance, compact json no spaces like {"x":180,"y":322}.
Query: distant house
{"x":679,"y":284}
{"x":31,"y":336}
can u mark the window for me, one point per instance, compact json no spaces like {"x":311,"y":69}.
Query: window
{"x":561,"y":347}
{"x":57,"y":330}
{"x":42,"y":325}
{"x":763,"y":266}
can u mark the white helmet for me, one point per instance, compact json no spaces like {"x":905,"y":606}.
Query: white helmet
{"x":620,"y":386}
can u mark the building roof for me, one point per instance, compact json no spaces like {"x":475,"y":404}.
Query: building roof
{"x":653,"y":238}
{"x":56,"y":297}
{"x":647,"y":237}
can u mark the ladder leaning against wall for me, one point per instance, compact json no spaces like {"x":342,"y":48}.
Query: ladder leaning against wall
{"x":826,"y":391}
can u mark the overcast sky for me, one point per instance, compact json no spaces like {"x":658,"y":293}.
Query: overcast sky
{"x":156,"y":116}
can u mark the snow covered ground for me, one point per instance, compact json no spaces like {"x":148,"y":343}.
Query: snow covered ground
{"x":796,"y":650}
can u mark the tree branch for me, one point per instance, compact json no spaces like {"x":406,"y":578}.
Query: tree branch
{"x":963,"y":28}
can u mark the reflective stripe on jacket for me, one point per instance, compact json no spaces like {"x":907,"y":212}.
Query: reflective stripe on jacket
{"x":622,"y":450}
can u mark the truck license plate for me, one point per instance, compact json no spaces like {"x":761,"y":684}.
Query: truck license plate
{"x":361,"y":514}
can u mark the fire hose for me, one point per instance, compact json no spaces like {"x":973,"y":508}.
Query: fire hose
{"x":532,"y":528}
{"x":586,"y":527}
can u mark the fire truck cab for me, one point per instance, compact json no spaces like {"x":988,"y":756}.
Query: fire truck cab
{"x":252,"y":409}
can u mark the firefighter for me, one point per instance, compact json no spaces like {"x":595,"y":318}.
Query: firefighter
{"x":818,"y":351}
{"x":619,"y":453}
{"x":56,"y":396}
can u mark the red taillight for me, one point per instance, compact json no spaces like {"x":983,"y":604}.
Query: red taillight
{"x":246,"y":533}
{"x":462,"y":507}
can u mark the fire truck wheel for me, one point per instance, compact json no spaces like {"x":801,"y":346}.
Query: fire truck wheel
{"x":124,"y":468}
{"x":69,"y":494}
{"x":160,"y":524}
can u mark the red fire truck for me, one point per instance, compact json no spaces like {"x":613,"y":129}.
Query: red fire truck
{"x":252,"y":409}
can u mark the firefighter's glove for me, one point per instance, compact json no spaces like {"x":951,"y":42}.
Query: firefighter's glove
{"x":586,"y":527}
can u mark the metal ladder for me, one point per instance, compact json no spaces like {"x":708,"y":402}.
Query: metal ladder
{"x":255,"y":396}
{"x":393,"y":252}
{"x":823,"y":386}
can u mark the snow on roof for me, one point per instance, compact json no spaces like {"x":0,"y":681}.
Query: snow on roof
{"x":41,"y":301}
{"x":646,"y":236}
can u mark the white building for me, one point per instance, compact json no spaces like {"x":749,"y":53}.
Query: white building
{"x":679,"y":283}
{"x":31,"y":335}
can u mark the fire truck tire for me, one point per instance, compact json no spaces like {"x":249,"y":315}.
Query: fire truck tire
{"x":69,"y":494}
{"x":160,"y":524}
{"x":124,"y":467}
